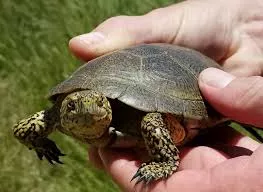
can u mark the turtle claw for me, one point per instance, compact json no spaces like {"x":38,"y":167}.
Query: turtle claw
{"x":46,"y":148}
{"x":149,"y":180}
{"x":39,"y":155}
{"x":146,"y":179}
{"x":141,"y":176}
{"x":137,"y":174}
{"x":151,"y":171}
{"x":140,"y":179}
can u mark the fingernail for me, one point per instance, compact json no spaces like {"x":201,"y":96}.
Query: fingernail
{"x":215,"y":77}
{"x":91,"y":38}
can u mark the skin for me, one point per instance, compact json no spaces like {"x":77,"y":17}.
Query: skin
{"x":230,"y":32}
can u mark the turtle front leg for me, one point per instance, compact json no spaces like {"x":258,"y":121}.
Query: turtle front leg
{"x":162,"y":150}
{"x":33,"y":133}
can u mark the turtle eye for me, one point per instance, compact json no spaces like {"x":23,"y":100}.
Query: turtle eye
{"x":71,"y":106}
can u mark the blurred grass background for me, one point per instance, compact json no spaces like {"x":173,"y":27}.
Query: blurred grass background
{"x":34,"y":57}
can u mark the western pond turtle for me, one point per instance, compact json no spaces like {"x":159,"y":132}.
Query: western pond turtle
{"x":143,"y":95}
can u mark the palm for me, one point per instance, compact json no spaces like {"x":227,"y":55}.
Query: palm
{"x":201,"y":168}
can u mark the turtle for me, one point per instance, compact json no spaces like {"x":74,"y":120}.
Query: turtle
{"x":144,"y":95}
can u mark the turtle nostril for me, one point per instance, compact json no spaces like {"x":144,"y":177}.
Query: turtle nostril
{"x":100,"y":103}
{"x":71,"y":106}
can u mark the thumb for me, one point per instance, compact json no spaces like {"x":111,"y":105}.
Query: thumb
{"x":239,"y":98}
{"x":124,"y":31}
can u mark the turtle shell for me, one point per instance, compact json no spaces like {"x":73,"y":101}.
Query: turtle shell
{"x":149,"y":77}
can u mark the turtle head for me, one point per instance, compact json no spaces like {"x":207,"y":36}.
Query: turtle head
{"x":86,"y":115}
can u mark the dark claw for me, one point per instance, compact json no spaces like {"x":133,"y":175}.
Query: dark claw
{"x":140,"y":179}
{"x":55,"y":158}
{"x":145,"y":178}
{"x":48,"y":149}
{"x":40,"y":155}
{"x":59,"y":162}
{"x":149,"y":180}
{"x":138,"y":173}
{"x":49,"y":159}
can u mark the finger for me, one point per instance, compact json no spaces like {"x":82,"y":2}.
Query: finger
{"x":115,"y":33}
{"x":238,"y":139}
{"x":94,"y":158}
{"x":123,"y":31}
{"x":227,"y":140}
{"x":224,"y":138}
{"x":240,"y":99}
{"x":244,"y":63}
{"x":256,"y":158}
{"x":246,"y":59}
{"x":246,"y":142}
{"x":237,"y":145}
{"x":121,"y":165}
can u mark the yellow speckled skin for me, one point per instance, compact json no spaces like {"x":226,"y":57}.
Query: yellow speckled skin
{"x":36,"y":124}
{"x":89,"y":117}
{"x":158,"y":141}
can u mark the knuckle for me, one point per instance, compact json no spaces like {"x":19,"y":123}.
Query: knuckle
{"x":116,"y":20}
{"x":118,"y":23}
{"x":250,"y":97}
{"x":156,"y":12}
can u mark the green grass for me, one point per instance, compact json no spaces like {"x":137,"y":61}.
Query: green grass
{"x":34,"y":57}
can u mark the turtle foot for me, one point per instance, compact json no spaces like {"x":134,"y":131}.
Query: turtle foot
{"x":155,"y":170}
{"x":45,"y":147}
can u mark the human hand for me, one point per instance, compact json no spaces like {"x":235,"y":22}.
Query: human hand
{"x":231,"y":33}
